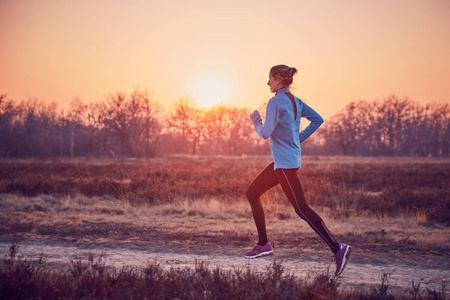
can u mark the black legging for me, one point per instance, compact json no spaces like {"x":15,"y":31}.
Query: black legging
{"x":292,"y":188}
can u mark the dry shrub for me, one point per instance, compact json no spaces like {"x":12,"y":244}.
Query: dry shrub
{"x":95,"y":278}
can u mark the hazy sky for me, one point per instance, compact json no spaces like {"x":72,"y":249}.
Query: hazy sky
{"x":221,"y":51}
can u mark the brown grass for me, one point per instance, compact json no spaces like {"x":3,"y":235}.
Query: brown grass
{"x":377,"y":186}
{"x":353,"y":196}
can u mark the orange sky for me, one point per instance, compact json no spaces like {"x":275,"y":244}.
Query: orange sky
{"x":344,"y":50}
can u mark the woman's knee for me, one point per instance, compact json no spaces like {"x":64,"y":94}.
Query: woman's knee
{"x":306,"y":213}
{"x":300,"y":214}
{"x":302,"y":210}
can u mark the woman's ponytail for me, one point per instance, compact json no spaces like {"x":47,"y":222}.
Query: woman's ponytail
{"x":292,"y":72}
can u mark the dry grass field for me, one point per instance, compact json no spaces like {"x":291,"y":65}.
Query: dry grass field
{"x":176,"y":227}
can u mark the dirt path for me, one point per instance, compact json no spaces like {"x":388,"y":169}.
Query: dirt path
{"x":362,"y":272}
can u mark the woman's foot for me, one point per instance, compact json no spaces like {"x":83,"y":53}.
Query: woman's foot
{"x":341,"y":258}
{"x":259,"y":251}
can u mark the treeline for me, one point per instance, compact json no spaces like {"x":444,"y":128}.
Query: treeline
{"x":392,"y":127}
{"x":136,"y":125}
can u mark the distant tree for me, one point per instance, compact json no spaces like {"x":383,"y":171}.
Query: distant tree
{"x":36,"y":129}
{"x":132,"y":121}
{"x":439,"y":124}
{"x":392,"y":117}
{"x":228,"y":129}
{"x":7,"y":115}
{"x":187,"y":123}
{"x":445,"y":129}
{"x":348,"y":128}
{"x":83,"y":124}
{"x":149,"y":126}
{"x":73,"y":120}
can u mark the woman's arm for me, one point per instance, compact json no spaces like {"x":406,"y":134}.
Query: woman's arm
{"x":315,"y":119}
{"x":265,"y":130}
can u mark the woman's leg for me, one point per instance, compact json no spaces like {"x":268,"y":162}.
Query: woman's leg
{"x":266,"y":180}
{"x":293,"y":189}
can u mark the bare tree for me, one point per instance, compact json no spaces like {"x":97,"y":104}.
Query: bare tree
{"x":148,"y":127}
{"x":133,"y":121}
{"x":36,"y":127}
{"x":439,"y":124}
{"x":7,"y":115}
{"x":348,"y":128}
{"x":187,"y":123}
{"x":228,"y":129}
{"x":73,"y":120}
{"x":392,"y":116}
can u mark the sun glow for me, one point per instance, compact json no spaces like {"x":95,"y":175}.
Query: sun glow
{"x":211,"y":91}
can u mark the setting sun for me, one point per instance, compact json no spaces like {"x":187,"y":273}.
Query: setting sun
{"x":210,"y":91}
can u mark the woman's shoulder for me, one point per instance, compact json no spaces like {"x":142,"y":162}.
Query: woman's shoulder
{"x":278,"y":98}
{"x":274,"y":100}
{"x":298,"y":98}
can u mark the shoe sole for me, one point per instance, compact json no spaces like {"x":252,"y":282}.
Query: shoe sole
{"x":267,"y":253}
{"x":345,"y":260}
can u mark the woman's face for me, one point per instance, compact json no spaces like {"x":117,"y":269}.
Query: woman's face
{"x":274,"y":83}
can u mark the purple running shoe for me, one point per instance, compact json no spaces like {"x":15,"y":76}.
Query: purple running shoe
{"x":341,"y":258}
{"x":259,"y":251}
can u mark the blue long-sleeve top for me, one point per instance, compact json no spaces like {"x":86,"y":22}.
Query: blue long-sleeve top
{"x":283,"y":127}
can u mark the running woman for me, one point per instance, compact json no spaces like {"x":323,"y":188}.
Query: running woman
{"x":282,"y":126}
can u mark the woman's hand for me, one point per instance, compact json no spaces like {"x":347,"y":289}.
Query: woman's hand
{"x":255,"y":116}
